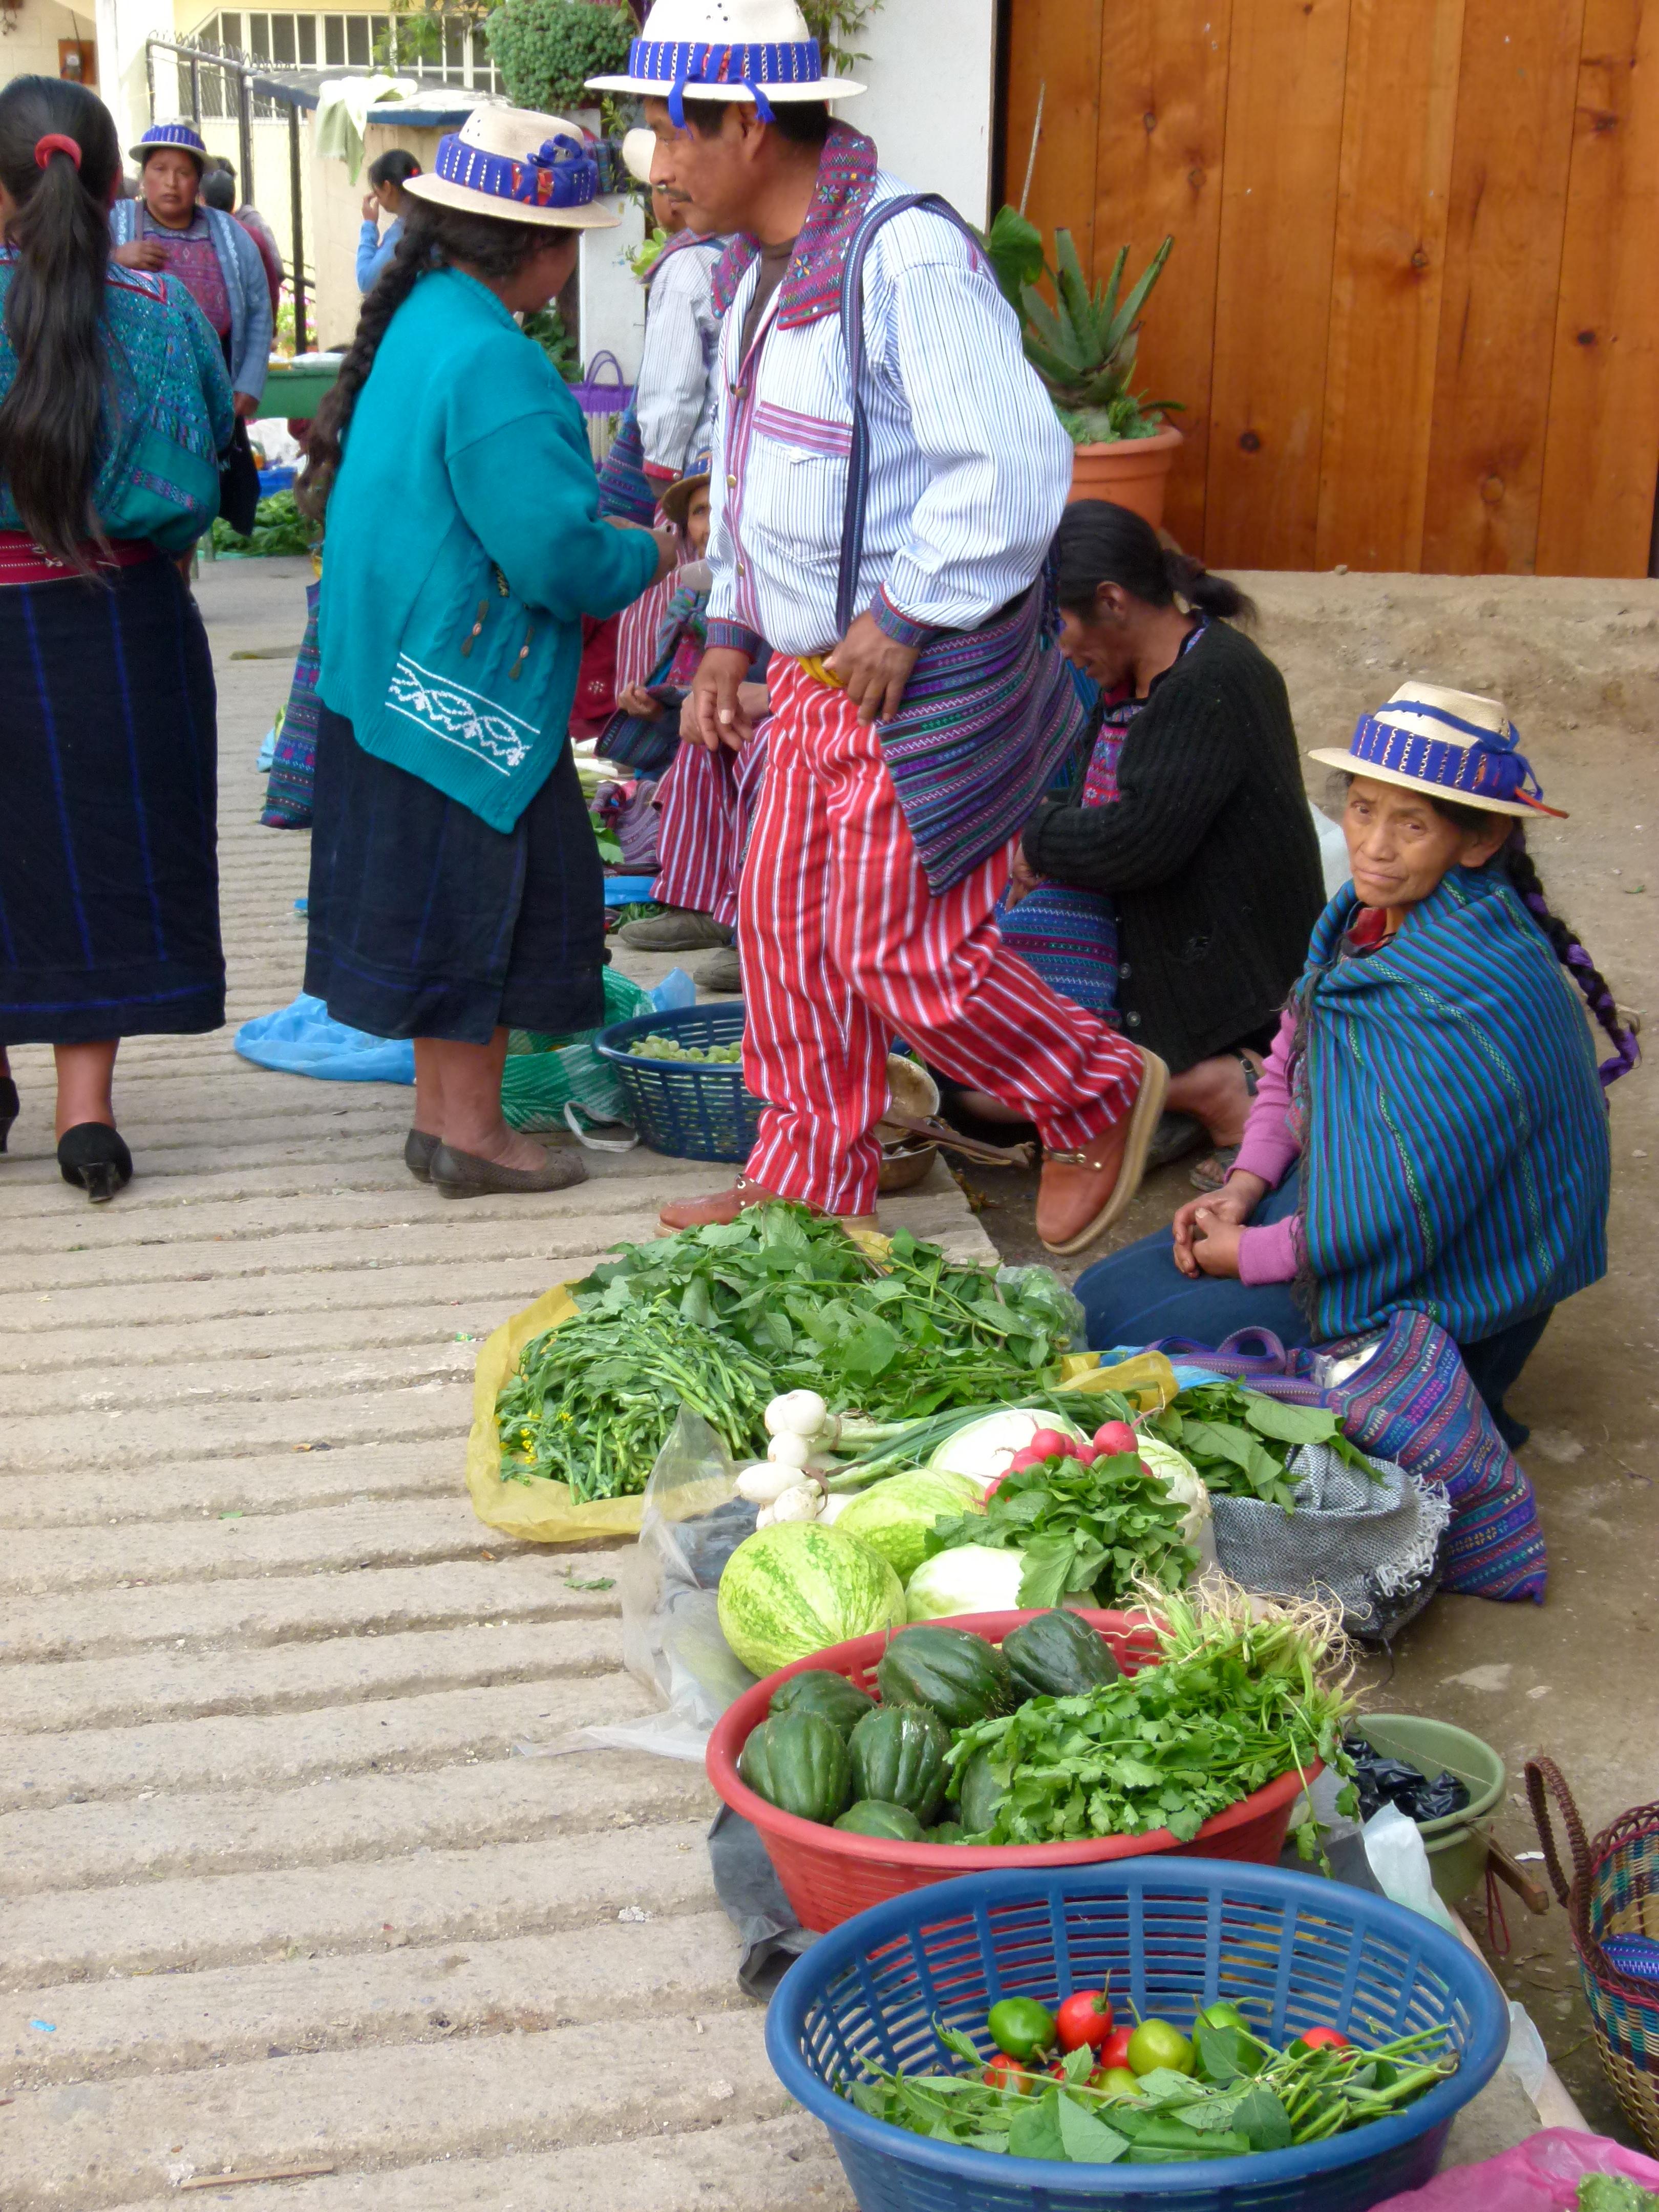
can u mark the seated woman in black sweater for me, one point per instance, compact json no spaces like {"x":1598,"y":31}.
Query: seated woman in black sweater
{"x":1204,"y":843}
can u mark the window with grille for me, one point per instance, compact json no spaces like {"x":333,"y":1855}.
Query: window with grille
{"x":459,"y":56}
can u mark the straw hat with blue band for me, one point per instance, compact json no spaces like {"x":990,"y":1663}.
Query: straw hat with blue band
{"x":520,"y":166}
{"x":1451,"y":744}
{"x":757,"y":50}
{"x":183,"y":136}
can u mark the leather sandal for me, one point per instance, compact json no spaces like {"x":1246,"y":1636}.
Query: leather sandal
{"x":1082,"y":1193}
{"x":466,"y":1175}
{"x":725,"y":1205}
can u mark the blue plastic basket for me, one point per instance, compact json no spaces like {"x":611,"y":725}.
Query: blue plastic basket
{"x":1165,"y":1937}
{"x":686,"y":1109}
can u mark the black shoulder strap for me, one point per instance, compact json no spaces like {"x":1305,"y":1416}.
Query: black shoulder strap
{"x":852,"y":327}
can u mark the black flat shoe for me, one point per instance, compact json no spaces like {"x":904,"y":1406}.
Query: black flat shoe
{"x":10,"y":1108}
{"x":94,"y":1157}
{"x":418,"y":1151}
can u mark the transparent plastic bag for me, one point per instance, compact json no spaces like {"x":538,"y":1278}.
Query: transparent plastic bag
{"x":692,"y":1522}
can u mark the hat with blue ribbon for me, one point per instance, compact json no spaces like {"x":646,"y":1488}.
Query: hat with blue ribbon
{"x":521,"y":166}
{"x":757,"y":50}
{"x":1451,"y":744}
{"x":184,"y":135}
{"x":675,"y":502}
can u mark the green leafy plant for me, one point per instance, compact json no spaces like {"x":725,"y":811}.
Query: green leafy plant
{"x":1081,"y":1531}
{"x":834,"y":24}
{"x":547,"y":327}
{"x":278,"y":527}
{"x":1239,"y":1442}
{"x":546,"y":50}
{"x":1082,"y":344}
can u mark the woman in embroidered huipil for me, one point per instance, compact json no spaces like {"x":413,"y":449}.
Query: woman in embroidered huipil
{"x":114,"y":405}
{"x":456,"y":889}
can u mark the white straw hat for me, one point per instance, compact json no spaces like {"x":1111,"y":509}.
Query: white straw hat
{"x":758,"y":50}
{"x":1451,"y":744}
{"x":520,"y":167}
{"x":638,"y":146}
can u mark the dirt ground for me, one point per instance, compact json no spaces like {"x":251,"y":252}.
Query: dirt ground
{"x":1576,"y":664}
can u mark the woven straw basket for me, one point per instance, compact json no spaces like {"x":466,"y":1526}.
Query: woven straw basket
{"x":1614,"y":1891}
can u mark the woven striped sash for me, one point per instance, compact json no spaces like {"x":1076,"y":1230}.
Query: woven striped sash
{"x":988,"y":713}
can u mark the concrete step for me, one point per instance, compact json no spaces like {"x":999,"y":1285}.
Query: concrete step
{"x":767,"y":2166}
{"x":264,"y":1483}
{"x":411,"y":1731}
{"x":570,"y":1788}
{"x":479,"y":1894}
{"x":180,"y":1684}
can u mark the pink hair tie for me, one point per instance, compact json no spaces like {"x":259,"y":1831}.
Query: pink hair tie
{"x":55,"y":142}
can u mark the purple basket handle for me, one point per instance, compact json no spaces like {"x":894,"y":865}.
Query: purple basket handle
{"x":1231,"y":1356}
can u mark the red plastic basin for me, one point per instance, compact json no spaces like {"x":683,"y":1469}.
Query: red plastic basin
{"x":828,"y":1875}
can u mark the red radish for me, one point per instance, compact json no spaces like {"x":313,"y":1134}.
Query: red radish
{"x":1113,"y":1436}
{"x":1049,"y":1443}
{"x":1085,"y":2017}
{"x":1085,"y":1454}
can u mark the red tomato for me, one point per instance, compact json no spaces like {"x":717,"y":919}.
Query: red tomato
{"x":1049,"y":1443}
{"x":1115,"y":2050}
{"x":1113,"y":1436}
{"x":1006,"y":2074}
{"x":1323,"y":2038}
{"x":1085,"y":2017}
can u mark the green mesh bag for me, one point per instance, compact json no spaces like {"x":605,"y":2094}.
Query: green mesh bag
{"x":545,"y":1074}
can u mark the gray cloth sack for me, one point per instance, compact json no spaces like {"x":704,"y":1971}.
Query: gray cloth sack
{"x":1373,"y":1545}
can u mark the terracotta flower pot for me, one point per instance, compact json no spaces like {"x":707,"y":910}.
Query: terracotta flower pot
{"x":1132,"y":472}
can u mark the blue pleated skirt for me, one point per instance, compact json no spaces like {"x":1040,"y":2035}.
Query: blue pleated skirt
{"x":109,"y":874}
{"x":425,"y":922}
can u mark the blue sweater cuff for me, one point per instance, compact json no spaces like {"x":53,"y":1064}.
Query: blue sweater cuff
{"x":897,"y":624}
{"x":724,"y":632}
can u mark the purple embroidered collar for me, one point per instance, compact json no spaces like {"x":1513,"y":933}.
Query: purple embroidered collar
{"x":811,"y":286}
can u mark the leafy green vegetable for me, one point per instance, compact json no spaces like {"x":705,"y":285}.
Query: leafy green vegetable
{"x":1079,"y":1529}
{"x":1238,"y":1442}
{"x":1614,"y":2192}
{"x":278,"y":528}
{"x":591,"y":1403}
{"x":1234,"y":1703}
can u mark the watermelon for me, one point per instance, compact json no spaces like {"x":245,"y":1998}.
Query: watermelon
{"x":1055,"y":1654}
{"x":799,"y":1763}
{"x":874,"y":1816}
{"x":796,"y":1588}
{"x":961,"y":1676}
{"x":895,"y":1517}
{"x":898,"y":1757}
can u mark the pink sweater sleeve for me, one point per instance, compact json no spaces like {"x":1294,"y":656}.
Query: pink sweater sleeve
{"x":1270,"y":1254}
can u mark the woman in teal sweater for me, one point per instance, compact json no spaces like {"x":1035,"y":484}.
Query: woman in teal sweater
{"x":456,"y":889}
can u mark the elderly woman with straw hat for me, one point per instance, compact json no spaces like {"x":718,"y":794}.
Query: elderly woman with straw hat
{"x":456,"y":889}
{"x":1430,"y":1132}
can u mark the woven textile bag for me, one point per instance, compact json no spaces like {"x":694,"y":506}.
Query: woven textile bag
{"x":1614,"y":1891}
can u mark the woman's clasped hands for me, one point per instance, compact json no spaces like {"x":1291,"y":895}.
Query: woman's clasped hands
{"x":1208,"y":1229}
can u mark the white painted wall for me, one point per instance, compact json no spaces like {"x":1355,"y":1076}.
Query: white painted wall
{"x":123,"y":28}
{"x":612,"y":299}
{"x":931,"y":86}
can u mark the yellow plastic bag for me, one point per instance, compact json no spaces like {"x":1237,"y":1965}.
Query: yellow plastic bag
{"x":1148,"y":1381}
{"x":536,"y":1511}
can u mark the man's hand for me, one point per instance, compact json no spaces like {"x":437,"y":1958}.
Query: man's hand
{"x":717,"y":692}
{"x":142,"y":253}
{"x":1023,"y":880}
{"x":246,"y":405}
{"x":755,"y":700}
{"x":634,"y":699}
{"x":668,"y":545}
{"x":874,"y":667}
{"x":1212,"y":1217}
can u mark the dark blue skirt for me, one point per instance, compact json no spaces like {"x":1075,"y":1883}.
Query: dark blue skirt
{"x":425,"y":922}
{"x":109,"y":873}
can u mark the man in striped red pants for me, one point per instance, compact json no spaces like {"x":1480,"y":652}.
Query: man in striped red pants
{"x":845,"y":945}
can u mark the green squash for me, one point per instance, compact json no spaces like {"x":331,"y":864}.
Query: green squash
{"x":946,"y":1832}
{"x":817,"y":1690}
{"x":981,"y":1795}
{"x":872,"y":1817}
{"x":1058,"y":1656}
{"x":961,"y":1676}
{"x":898,"y":1754}
{"x":799,"y":1762}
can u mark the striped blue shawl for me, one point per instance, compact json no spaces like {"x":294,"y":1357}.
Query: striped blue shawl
{"x":1456,"y":1158}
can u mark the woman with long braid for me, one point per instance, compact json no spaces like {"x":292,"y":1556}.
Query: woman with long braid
{"x":1430,"y":1132}
{"x":456,"y":889}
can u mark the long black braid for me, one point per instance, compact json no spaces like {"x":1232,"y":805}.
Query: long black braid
{"x":434,"y":237}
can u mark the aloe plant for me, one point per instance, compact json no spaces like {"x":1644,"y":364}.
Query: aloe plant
{"x":1083,"y":344}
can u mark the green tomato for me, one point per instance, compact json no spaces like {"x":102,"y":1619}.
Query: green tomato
{"x":1223,"y":2014}
{"x":1155,"y":2043}
{"x":1115,"y":2081}
{"x":1021,"y":2026}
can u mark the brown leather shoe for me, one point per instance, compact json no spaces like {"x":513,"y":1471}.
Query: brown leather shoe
{"x":726,"y":1205}
{"x":1082,"y":1194}
{"x":466,"y":1175}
